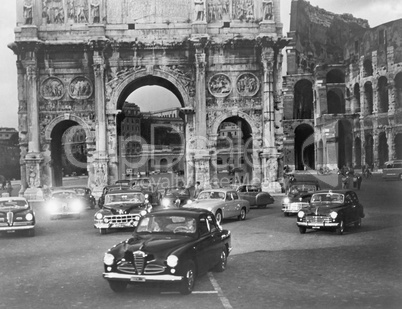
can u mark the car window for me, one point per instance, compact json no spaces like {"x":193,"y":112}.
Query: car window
{"x":13,"y":204}
{"x":242,"y":189}
{"x":229,"y":196}
{"x":327,"y":197}
{"x":212,"y":224}
{"x":205,"y":195}
{"x":203,"y":226}
{"x":167,"y":224}
{"x":136,"y":197}
{"x":235,"y":196}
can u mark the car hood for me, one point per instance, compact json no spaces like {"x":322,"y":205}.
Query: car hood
{"x":322,"y":209}
{"x":160,"y":246}
{"x":126,"y":207}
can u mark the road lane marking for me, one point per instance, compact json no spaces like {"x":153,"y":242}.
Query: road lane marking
{"x":225,"y":302}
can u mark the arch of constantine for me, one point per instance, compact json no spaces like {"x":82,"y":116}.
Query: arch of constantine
{"x":79,"y":60}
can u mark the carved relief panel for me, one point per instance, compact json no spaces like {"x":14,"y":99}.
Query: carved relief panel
{"x":219,"y":85}
{"x":247,"y":84}
{"x":52,"y":12}
{"x":80,"y":88}
{"x":52,"y":88}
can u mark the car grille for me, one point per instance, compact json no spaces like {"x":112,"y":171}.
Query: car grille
{"x":318,"y":219}
{"x":121,"y":218}
{"x":150,"y":269}
{"x":295,"y":206}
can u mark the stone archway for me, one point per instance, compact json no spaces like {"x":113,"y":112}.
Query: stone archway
{"x":61,"y":156}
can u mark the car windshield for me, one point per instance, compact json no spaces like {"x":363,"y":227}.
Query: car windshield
{"x":327,"y":197}
{"x":80,"y":191}
{"x":302,"y":188}
{"x":14,"y":204}
{"x":176,"y":191}
{"x":64,"y":194}
{"x":166,"y":224}
{"x":134,"y":197}
{"x":215,"y":195}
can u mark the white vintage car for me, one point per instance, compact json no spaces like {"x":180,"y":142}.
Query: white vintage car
{"x":223,"y":203}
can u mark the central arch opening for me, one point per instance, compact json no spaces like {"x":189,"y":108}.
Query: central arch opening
{"x":150,"y":128}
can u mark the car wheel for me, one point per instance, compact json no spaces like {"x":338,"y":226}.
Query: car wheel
{"x":243,"y":214}
{"x":218,"y":216}
{"x":188,"y":282}
{"x":103,"y":231}
{"x":221,"y":266}
{"x":341,"y":228}
{"x":358,"y":223}
{"x":118,"y":286}
{"x":302,"y":229}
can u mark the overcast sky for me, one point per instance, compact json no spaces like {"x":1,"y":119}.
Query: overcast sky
{"x":375,"y":11}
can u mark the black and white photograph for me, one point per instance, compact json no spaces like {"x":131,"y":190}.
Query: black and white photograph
{"x":206,"y":154}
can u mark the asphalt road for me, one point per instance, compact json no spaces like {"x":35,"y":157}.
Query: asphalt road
{"x":271,"y":265}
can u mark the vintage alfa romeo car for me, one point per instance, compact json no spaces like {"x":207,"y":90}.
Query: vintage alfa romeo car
{"x":331,"y":210}
{"x":254,"y":195}
{"x":121,"y":210}
{"x":171,"y":246}
{"x":16,"y":214}
{"x":223,"y":203}
{"x":298,"y":196}
{"x":64,"y":202}
{"x":175,"y":197}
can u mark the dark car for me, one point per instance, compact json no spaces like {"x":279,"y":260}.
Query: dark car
{"x":298,"y":196}
{"x":16,"y":214}
{"x":86,"y":195}
{"x":169,"y":246}
{"x":110,"y":188}
{"x":331,"y":209}
{"x":254,"y":195}
{"x":175,"y":197}
{"x":147,"y":186}
{"x":121,"y":209}
{"x":64,"y":202}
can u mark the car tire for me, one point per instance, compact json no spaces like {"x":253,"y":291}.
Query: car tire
{"x":223,"y":259}
{"x":118,"y":286}
{"x":358,"y":223}
{"x":302,"y":229}
{"x":341,"y":228}
{"x":218,"y":216}
{"x":103,"y":231}
{"x":188,"y":281}
{"x":243,"y":214}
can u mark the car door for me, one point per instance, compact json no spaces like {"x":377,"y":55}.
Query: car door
{"x":229,"y":208}
{"x":205,"y":247}
{"x":236,"y":204}
{"x":356,"y":207}
{"x":349,"y":209}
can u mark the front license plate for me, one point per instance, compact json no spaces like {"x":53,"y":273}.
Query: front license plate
{"x":137,"y":279}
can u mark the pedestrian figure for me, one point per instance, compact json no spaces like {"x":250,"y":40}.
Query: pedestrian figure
{"x":359,"y":181}
{"x":197,"y":189}
{"x":9,"y":188}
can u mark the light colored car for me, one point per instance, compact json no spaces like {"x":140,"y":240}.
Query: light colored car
{"x":223,"y":203}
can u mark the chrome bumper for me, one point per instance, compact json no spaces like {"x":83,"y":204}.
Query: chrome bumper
{"x":318,"y":224}
{"x":141,"y":278}
{"x":16,"y":228}
{"x":113,"y":225}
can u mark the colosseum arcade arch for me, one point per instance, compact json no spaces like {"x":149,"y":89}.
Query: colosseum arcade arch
{"x":148,"y":154}
{"x":304,"y":147}
{"x":345,"y":143}
{"x":303,"y":100}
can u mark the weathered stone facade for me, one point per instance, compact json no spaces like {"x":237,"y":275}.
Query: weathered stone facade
{"x":343,"y":84}
{"x":78,"y":60}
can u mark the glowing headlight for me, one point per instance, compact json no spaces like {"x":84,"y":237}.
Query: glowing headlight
{"x":333,"y":215}
{"x":143,"y":212}
{"x":165,"y":202}
{"x":108,"y":259}
{"x":99,"y":216}
{"x":29,"y":217}
{"x":300,"y":214}
{"x":51,"y":206}
{"x":146,"y":196}
{"x":76,"y":205}
{"x":172,"y":260}
{"x":286,"y":200}
{"x":189,"y":202}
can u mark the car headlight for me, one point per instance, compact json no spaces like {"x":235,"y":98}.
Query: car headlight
{"x":108,"y":259}
{"x":300,"y":214}
{"x":29,"y":217}
{"x":172,"y":260}
{"x":146,"y":196}
{"x":333,"y":215}
{"x":143,"y":212}
{"x":189,"y":202}
{"x":286,"y":200}
{"x":98,"y":216}
{"x":165,"y":202}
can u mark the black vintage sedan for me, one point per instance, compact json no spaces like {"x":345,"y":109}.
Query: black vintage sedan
{"x":121,"y":209}
{"x":175,"y":197}
{"x":331,"y":209}
{"x":254,"y":195}
{"x":85,"y":194}
{"x":169,"y":246}
{"x":64,"y":203}
{"x":298,"y":196}
{"x":16,"y":214}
